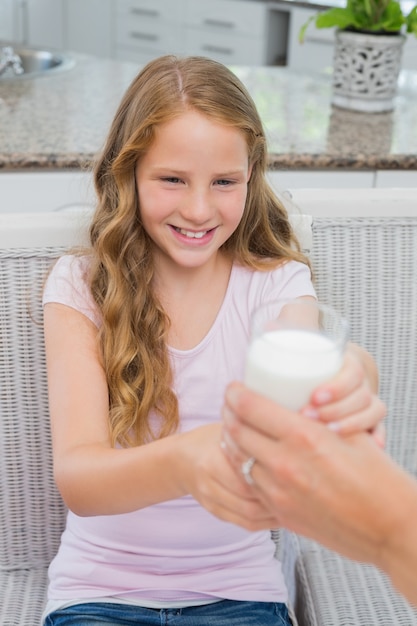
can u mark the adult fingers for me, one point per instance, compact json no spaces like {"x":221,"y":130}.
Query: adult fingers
{"x":258,"y":412}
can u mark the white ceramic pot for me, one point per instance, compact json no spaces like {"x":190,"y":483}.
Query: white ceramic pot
{"x":365,"y":70}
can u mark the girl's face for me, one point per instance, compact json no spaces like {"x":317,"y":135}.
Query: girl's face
{"x":192,"y":186}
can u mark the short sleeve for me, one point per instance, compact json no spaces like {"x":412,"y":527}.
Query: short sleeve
{"x":291,"y":280}
{"x":67,"y":284}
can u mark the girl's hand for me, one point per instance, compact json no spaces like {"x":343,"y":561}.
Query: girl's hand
{"x":348,"y":403}
{"x":207,"y":474}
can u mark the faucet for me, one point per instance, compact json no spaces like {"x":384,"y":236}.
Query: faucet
{"x":9,"y":58}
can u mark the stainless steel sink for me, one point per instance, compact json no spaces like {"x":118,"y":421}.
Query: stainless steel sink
{"x":36,"y":62}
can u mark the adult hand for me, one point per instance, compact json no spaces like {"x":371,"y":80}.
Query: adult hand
{"x":313,"y":481}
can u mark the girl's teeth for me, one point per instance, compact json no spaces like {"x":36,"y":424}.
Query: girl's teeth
{"x":190,"y":233}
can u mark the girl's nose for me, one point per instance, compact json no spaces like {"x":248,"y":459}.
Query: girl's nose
{"x":197,"y":207}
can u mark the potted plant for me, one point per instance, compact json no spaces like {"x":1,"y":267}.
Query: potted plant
{"x":368,"y":46}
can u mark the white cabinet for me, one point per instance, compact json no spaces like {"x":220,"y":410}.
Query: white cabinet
{"x":232,"y":31}
{"x":78,"y":25}
{"x":88,"y":26}
{"x":409,"y":58}
{"x":226,"y":30}
{"x":145,"y":29}
{"x":45,"y":23}
{"x":316,"y":52}
{"x":27,"y":192}
{"x":12,"y":21}
{"x":397,"y":178}
{"x":235,"y":32}
{"x":280,"y":180}
{"x":7,"y":20}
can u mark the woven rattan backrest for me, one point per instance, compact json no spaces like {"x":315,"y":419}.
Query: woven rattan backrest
{"x":31,"y":510}
{"x":32,"y":514}
{"x":367,"y":268}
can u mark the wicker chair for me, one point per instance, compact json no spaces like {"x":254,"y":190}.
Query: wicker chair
{"x":364,"y":266}
{"x":32,"y":514}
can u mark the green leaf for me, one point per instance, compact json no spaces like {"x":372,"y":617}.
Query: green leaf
{"x":365,"y":15}
{"x":367,"y":6}
{"x":392,"y":19}
{"x":340,"y":18}
{"x":411,"y":21}
{"x":301,"y":34}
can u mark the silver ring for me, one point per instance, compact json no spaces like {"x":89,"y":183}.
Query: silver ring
{"x":246,"y":469}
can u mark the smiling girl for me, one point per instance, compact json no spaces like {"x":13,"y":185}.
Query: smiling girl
{"x":144,"y":330}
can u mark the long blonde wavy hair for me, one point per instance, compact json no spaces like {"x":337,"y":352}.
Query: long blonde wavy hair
{"x":134,"y":329}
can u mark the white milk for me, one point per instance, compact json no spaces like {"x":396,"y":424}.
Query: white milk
{"x":287,"y":365}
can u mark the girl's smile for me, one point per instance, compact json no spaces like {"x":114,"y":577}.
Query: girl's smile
{"x":191,"y":237}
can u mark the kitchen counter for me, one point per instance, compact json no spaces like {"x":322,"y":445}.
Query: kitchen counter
{"x":61,"y":121}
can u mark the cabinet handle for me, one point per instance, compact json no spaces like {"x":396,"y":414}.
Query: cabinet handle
{"x":318,"y":39}
{"x":221,"y":23}
{"x":219,"y":49}
{"x":143,"y":36}
{"x":146,"y":12}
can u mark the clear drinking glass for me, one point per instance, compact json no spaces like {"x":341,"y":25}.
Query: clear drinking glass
{"x":295,"y":346}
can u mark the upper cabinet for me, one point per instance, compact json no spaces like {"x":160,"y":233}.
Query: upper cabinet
{"x":7,"y":20}
{"x":316,"y":52}
{"x":409,"y":60}
{"x":145,"y":29}
{"x":45,"y":23}
{"x":79,"y":25}
{"x":88,"y":26}
{"x":11,"y":20}
{"x":231,"y":31}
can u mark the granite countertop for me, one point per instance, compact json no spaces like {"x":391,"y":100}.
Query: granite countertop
{"x":61,"y":121}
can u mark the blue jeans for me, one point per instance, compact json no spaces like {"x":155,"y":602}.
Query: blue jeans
{"x":223,"y":613}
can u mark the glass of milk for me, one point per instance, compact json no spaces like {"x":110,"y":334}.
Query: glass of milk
{"x":295,"y":346}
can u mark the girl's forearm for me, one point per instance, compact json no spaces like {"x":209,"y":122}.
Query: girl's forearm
{"x":368,"y":364}
{"x":98,"y":480}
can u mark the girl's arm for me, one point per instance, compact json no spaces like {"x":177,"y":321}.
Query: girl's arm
{"x":368,"y":364}
{"x":91,"y":475}
{"x":96,"y":479}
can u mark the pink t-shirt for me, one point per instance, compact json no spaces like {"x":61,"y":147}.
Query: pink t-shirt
{"x":176,"y":551}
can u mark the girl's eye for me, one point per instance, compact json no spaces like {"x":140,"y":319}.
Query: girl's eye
{"x":171,"y":179}
{"x":223,"y":182}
